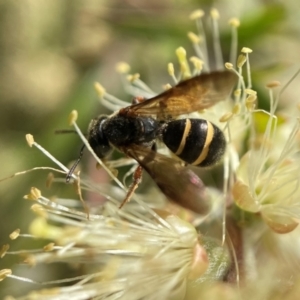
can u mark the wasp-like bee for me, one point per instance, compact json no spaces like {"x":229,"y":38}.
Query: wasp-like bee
{"x":134,"y":130}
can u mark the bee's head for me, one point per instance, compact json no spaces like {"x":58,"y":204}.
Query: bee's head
{"x":96,"y":137}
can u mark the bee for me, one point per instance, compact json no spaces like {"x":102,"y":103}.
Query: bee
{"x":134,"y":130}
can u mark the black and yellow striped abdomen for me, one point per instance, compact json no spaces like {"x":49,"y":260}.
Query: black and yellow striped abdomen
{"x":196,"y":141}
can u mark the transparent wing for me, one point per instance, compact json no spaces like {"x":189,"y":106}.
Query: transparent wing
{"x":178,"y":183}
{"x":194,"y":94}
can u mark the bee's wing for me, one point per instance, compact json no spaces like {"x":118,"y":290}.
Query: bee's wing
{"x":178,"y":183}
{"x":194,"y":94}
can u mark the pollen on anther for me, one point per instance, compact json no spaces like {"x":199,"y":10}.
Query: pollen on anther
{"x":99,"y":89}
{"x":133,"y":77}
{"x":273,"y":84}
{"x":4,"y":273}
{"x":167,"y":87}
{"x":197,"y":14}
{"x":250,"y":92}
{"x":251,"y":102}
{"x":251,"y":99}
{"x":246,"y":50}
{"x":236,"y":109}
{"x":197,"y":62}
{"x":181,"y":54}
{"x":171,"y":69}
{"x":29,"y":139}
{"x":49,"y":247}
{"x":122,"y":67}
{"x":194,"y":38}
{"x":3,"y":250}
{"x":14,"y":235}
{"x":215,"y":13}
{"x":237,"y":92}
{"x":34,"y":194}
{"x":185,"y":70}
{"x":73,"y":117}
{"x":184,"y":66}
{"x":241,"y":60}
{"x":226,"y":117}
{"x":229,"y":66}
{"x":235,"y":22}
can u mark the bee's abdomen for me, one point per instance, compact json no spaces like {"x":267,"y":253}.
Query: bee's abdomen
{"x":196,"y":141}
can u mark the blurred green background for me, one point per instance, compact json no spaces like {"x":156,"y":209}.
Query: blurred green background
{"x":51,"y":52}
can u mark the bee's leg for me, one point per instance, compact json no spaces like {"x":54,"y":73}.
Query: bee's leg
{"x":137,"y":178}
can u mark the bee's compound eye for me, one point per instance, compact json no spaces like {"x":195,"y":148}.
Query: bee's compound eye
{"x":96,"y":137}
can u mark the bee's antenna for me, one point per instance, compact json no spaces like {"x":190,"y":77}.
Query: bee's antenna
{"x":62,"y":131}
{"x":71,"y":171}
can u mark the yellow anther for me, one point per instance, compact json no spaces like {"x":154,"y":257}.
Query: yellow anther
{"x":197,"y":14}
{"x":99,"y":89}
{"x":194,"y":38}
{"x":229,"y":66}
{"x":14,"y":234}
{"x":226,"y":117}
{"x":34,"y":194}
{"x":214,"y":13}
{"x":246,"y":50}
{"x":273,"y":84}
{"x":122,"y":67}
{"x":73,"y":117}
{"x":234,"y":22}
{"x":241,"y":60}
{"x":29,"y":139}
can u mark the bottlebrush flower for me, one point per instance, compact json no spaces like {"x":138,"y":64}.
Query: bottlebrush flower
{"x":269,"y":173}
{"x":145,"y":251}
